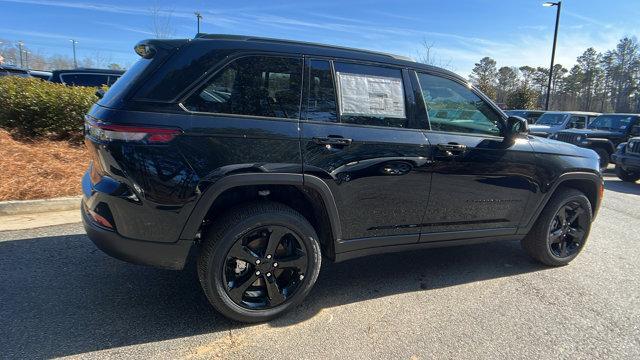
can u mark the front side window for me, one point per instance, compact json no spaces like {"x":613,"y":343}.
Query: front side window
{"x":370,"y":95}
{"x":455,"y":108}
{"x":254,"y":85}
{"x":612,"y":122}
{"x":321,"y":102}
{"x":552,"y":119}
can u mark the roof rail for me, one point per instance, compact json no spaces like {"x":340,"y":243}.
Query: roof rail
{"x":297,"y":42}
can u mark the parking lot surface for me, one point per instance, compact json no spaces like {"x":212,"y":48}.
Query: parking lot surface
{"x":60,"y":296}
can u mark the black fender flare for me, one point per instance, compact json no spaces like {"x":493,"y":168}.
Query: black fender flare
{"x":212,"y":192}
{"x":594,"y":178}
{"x":601,"y":142}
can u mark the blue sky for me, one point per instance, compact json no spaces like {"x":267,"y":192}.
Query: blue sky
{"x":515,"y":32}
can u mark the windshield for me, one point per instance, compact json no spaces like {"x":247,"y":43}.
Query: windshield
{"x":611,"y":122}
{"x":551,"y":119}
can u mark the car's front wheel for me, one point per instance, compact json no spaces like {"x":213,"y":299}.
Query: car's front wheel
{"x":258,"y":261}
{"x":562,"y":229}
{"x":627,"y":176}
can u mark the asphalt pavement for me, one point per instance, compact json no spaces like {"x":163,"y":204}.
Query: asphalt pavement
{"x":60,"y":296}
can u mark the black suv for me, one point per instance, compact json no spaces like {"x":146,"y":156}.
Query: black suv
{"x":627,"y":158}
{"x":604,"y":134}
{"x":262,"y":157}
{"x":86,"y":77}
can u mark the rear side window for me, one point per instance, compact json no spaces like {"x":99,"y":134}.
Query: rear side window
{"x":95,"y":80}
{"x":254,"y":85}
{"x":455,"y":108}
{"x":370,"y":95}
{"x":321,"y":102}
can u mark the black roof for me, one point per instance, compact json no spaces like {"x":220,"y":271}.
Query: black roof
{"x":294,"y":46}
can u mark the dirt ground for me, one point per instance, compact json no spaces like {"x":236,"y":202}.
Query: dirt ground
{"x":39,"y":169}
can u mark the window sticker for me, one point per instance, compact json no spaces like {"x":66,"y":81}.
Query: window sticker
{"x":368,"y":95}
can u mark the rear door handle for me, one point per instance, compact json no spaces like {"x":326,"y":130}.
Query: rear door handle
{"x":452,"y":149}
{"x":330,"y":140}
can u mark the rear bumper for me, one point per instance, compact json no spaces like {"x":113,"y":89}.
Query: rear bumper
{"x":627,"y":162}
{"x":164,"y":255}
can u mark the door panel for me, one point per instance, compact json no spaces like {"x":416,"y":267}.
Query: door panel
{"x":378,"y":175}
{"x":380,"y":181}
{"x":480,"y":179}
{"x":486,"y":185}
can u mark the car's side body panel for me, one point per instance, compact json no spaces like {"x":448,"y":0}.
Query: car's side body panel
{"x":387,"y":189}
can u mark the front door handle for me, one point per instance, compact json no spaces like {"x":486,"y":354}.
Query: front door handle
{"x":452,"y":149}
{"x":331,"y":140}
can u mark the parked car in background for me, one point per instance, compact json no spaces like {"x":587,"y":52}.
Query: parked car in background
{"x":531,"y":115}
{"x":86,"y":77}
{"x":551,"y":122}
{"x":604,"y":134}
{"x":44,"y":75}
{"x":627,"y":158}
{"x":9,"y":70}
{"x":240,"y":151}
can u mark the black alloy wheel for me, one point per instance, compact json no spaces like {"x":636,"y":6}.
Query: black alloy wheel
{"x":568,"y":229}
{"x":258,"y":261}
{"x":562,"y":229}
{"x":265,"y":267}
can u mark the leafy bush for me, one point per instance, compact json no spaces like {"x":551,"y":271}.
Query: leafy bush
{"x":33,"y":107}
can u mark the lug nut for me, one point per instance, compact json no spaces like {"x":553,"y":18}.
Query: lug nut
{"x":301,"y":277}
{"x":268,"y":274}
{"x":258,"y":262}
{"x":268,"y":256}
{"x":275,"y":264}
{"x":258,"y":273}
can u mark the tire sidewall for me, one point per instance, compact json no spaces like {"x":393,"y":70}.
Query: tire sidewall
{"x":216,"y":263}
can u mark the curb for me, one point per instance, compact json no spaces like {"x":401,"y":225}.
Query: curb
{"x":16,"y":207}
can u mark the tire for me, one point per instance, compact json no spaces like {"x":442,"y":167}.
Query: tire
{"x":627,"y":176}
{"x":604,"y":157}
{"x":539,"y":242}
{"x":231,"y":232}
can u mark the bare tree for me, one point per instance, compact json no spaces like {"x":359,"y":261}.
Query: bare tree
{"x":427,"y":55}
{"x":161,"y":25}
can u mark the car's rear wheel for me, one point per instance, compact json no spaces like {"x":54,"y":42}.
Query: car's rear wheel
{"x":604,"y":157}
{"x":259,"y":261}
{"x":562,"y":229}
{"x":625,"y":175}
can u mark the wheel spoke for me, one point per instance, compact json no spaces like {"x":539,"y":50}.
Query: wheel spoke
{"x":562,"y":215}
{"x":273,"y":291}
{"x":555,"y":236}
{"x":563,"y":249}
{"x":576,"y":233}
{"x":577,"y":212}
{"x":298,"y":261}
{"x":241,"y":252}
{"x":274,"y":239}
{"x":237,"y":291}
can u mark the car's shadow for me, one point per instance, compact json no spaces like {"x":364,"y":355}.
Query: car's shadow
{"x":61,"y":296}
{"x":614,"y":184}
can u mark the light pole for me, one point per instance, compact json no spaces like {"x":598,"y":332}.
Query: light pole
{"x":20,"y":45}
{"x":26,"y":58}
{"x":75,"y":60}
{"x":198,"y":17}
{"x":553,"y":50}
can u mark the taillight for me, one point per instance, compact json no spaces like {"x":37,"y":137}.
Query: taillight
{"x":110,"y":132}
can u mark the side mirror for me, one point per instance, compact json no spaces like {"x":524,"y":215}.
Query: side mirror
{"x":635,"y":130}
{"x":517,"y":126}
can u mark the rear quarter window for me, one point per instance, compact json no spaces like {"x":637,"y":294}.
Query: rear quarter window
{"x":115,"y":92}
